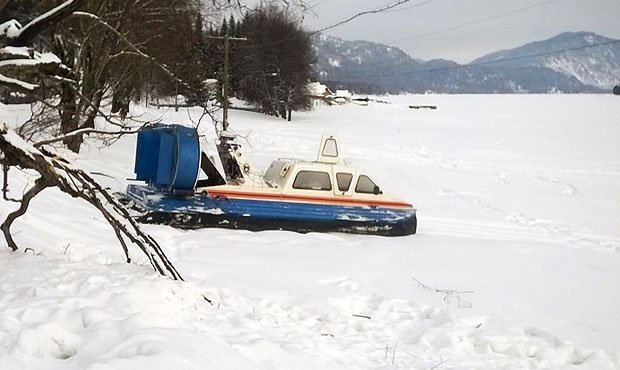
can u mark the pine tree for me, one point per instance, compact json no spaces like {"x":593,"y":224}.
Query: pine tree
{"x":275,"y":62}
{"x":232,"y":26}
{"x":224,"y":28}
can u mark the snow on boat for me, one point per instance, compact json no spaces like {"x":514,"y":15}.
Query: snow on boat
{"x":185,"y":189}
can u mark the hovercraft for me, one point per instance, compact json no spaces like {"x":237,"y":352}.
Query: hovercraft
{"x":184,"y":188}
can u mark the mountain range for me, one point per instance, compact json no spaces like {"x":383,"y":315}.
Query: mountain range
{"x":571,"y":62}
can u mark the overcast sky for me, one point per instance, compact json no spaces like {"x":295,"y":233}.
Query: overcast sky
{"x":462,"y":30}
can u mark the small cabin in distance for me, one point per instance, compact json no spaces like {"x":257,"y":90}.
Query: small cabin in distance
{"x":320,"y":94}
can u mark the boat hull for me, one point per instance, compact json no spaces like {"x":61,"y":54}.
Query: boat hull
{"x":204,"y":210}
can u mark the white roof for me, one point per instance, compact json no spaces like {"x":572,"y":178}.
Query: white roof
{"x":343,"y":93}
{"x":317,"y":88}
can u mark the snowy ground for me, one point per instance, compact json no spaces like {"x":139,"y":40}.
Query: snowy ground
{"x":519,"y":220}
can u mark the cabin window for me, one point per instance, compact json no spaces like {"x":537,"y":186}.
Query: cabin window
{"x":330,"y":149}
{"x":344,"y":181}
{"x":312,"y":180}
{"x":366,"y":185}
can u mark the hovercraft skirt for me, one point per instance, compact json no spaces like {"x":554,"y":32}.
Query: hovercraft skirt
{"x":202,"y":210}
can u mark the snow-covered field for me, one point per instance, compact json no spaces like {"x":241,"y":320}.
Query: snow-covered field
{"x":516,"y":263}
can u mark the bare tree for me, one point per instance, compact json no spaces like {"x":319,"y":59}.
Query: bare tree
{"x":120,"y":50}
{"x":52,"y":169}
{"x":113,"y":50}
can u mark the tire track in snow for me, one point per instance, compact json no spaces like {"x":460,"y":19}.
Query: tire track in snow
{"x":479,"y":230}
{"x":568,"y":188}
{"x":526,"y":227}
{"x":525,"y":224}
{"x":563,"y":232}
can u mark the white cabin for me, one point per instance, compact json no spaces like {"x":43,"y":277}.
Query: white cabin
{"x":325,"y":174}
{"x":324,"y":178}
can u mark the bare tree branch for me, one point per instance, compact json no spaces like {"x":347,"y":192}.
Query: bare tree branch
{"x":83,"y":131}
{"x":32,"y":66}
{"x":5,"y":180}
{"x":56,"y":171}
{"x":449,"y":295}
{"x":135,"y":49}
{"x":39,"y":185}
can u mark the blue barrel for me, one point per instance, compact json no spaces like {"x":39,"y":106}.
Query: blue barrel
{"x":147,"y":153}
{"x":187,"y":158}
{"x":168,"y":156}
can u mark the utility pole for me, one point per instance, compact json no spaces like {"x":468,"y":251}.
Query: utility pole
{"x":226,"y":40}
{"x":225,"y":83}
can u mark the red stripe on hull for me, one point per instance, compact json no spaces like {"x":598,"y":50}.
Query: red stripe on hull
{"x":303,"y":198}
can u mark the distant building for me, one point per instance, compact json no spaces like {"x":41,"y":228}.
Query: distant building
{"x":343,"y":96}
{"x":320,"y":94}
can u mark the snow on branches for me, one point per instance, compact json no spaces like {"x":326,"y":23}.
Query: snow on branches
{"x":22,"y":68}
{"x":54,"y":171}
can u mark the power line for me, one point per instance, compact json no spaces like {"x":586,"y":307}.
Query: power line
{"x":477,"y":21}
{"x":374,"y":11}
{"x":461,"y":66}
{"x":407,"y":8}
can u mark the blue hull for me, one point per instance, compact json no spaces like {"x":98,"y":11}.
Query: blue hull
{"x":200,"y":210}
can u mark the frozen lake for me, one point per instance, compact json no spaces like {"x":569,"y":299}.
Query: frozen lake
{"x":516,"y":262}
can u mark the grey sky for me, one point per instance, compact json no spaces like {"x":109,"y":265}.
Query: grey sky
{"x":408,"y":26}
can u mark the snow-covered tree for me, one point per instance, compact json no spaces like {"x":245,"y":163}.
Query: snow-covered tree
{"x":22,"y":68}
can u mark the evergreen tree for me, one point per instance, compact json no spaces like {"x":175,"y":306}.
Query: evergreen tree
{"x":200,"y":64}
{"x":232,"y":27}
{"x":224,"y":28}
{"x":275,"y":62}
{"x":213,"y":53}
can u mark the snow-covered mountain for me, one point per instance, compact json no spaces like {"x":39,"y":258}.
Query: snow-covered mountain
{"x":359,"y":63}
{"x":338,"y":53}
{"x":592,"y":59}
{"x":373,"y":67}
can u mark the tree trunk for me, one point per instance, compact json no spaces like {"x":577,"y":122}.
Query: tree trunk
{"x":92,"y":112}
{"x":282,"y":109}
{"x":116,"y":103}
{"x":5,"y":181}
{"x":120,"y":104}
{"x":69,"y":120}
